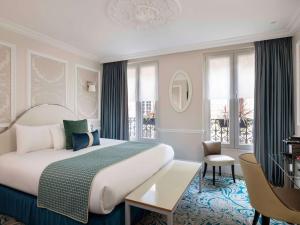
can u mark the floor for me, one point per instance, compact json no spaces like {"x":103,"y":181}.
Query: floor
{"x":224,"y":204}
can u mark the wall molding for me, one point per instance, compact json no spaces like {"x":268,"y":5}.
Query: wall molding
{"x":79,"y":66}
{"x":45,"y":39}
{"x":13,"y":71}
{"x":29,"y":74}
{"x":185,"y":131}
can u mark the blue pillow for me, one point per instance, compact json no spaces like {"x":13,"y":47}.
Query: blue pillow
{"x":84,"y":140}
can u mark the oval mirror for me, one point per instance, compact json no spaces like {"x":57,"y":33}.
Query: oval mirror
{"x":180,"y":91}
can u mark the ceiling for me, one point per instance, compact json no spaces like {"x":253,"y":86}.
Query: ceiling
{"x":85,"y":25}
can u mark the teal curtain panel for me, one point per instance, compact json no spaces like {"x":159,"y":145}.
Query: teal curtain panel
{"x":274,"y":104}
{"x":114,"y":101}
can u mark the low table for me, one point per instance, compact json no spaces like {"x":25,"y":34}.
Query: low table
{"x":162,"y":192}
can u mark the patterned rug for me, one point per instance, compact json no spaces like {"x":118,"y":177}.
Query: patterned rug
{"x":224,"y":204}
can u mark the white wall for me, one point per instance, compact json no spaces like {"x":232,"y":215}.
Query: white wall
{"x":184,"y":131}
{"x":23,"y":44}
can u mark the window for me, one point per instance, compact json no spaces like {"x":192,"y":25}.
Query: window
{"x":142,"y":98}
{"x":230,"y":94}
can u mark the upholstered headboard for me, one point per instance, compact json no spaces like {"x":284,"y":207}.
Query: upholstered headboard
{"x":36,"y":116}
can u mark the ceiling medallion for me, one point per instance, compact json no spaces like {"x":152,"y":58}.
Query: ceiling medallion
{"x":143,"y":13}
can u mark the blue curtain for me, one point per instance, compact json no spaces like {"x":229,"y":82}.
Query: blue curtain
{"x":274,"y":105}
{"x":114,"y":101}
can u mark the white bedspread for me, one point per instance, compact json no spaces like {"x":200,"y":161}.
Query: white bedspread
{"x":110,"y":186}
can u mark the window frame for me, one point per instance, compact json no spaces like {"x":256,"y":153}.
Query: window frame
{"x":233,"y":101}
{"x":139,"y":116}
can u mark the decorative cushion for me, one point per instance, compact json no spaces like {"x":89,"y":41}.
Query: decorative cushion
{"x":79,"y":126}
{"x":84,"y":140}
{"x":58,"y":137}
{"x":33,"y":138}
{"x":219,"y":160}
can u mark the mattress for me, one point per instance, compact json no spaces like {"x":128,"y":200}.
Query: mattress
{"x":110,"y":186}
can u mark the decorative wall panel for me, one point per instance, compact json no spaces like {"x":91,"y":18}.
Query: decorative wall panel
{"x":5,"y":85}
{"x":48,"y":80}
{"x":87,"y":102}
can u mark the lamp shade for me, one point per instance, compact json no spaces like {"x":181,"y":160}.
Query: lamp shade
{"x":91,"y":87}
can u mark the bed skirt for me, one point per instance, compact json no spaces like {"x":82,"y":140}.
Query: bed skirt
{"x":23,"y":207}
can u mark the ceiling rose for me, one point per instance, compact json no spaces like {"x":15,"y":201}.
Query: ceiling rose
{"x":143,"y":13}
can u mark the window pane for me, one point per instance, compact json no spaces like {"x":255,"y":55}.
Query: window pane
{"x":147,"y":99}
{"x":245,"y":70}
{"x":219,"y":70}
{"x":131,"y":82}
{"x":219,"y":77}
{"x":219,"y":120}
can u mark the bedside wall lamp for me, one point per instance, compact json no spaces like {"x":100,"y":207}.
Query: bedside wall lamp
{"x":91,"y":87}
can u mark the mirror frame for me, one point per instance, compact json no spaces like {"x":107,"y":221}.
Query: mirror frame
{"x":190,"y":91}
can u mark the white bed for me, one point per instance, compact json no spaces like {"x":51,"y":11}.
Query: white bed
{"x":110,"y":186}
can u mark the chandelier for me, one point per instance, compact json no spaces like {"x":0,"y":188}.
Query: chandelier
{"x":143,"y":13}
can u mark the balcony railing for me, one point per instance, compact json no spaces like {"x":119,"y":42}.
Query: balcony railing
{"x":220,"y":131}
{"x":148,"y":128}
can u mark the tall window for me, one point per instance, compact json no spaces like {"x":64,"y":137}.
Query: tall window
{"x":230,"y":96}
{"x":142,"y":97}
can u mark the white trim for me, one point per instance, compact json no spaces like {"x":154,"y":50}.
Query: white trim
{"x":46,"y":39}
{"x":13,"y":88}
{"x":29,"y":74}
{"x":203,"y":45}
{"x":298,"y":82}
{"x":190,"y":91}
{"x":185,"y":131}
{"x":79,"y":66}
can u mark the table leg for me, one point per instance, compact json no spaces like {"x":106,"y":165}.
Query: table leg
{"x":200,"y":180}
{"x":170,"y":219}
{"x":127,"y":214}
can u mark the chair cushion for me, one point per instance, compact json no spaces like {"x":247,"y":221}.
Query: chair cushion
{"x":218,"y":160}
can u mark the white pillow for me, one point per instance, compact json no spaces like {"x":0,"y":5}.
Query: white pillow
{"x":33,"y":138}
{"x":58,"y":137}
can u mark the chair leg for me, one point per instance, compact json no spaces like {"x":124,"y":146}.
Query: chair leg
{"x":265,"y":220}
{"x":214,"y":175}
{"x":220,"y":171}
{"x":256,"y":217}
{"x":205,"y":168}
{"x":233,"y":174}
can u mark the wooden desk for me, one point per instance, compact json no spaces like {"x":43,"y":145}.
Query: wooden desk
{"x":163,"y":191}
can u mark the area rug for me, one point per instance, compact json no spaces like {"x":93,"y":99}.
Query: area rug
{"x":224,"y":204}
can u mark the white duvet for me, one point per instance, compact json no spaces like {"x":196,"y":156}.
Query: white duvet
{"x":110,"y":186}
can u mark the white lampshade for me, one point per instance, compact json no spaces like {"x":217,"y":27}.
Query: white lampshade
{"x":91,"y":87}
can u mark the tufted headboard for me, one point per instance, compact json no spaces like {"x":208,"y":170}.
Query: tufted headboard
{"x":36,"y":116}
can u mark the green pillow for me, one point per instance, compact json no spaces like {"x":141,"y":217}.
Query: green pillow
{"x":79,"y":126}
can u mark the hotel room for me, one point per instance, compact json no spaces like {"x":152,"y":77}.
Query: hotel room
{"x":149,"y":112}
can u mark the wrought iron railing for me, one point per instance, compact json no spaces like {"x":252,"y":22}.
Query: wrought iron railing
{"x":220,"y":131}
{"x":148,"y":128}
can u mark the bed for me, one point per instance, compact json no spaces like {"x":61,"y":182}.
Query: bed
{"x":20,"y":174}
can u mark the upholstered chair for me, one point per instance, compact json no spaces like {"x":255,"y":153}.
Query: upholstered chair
{"x":269,"y":201}
{"x":213,"y":157}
